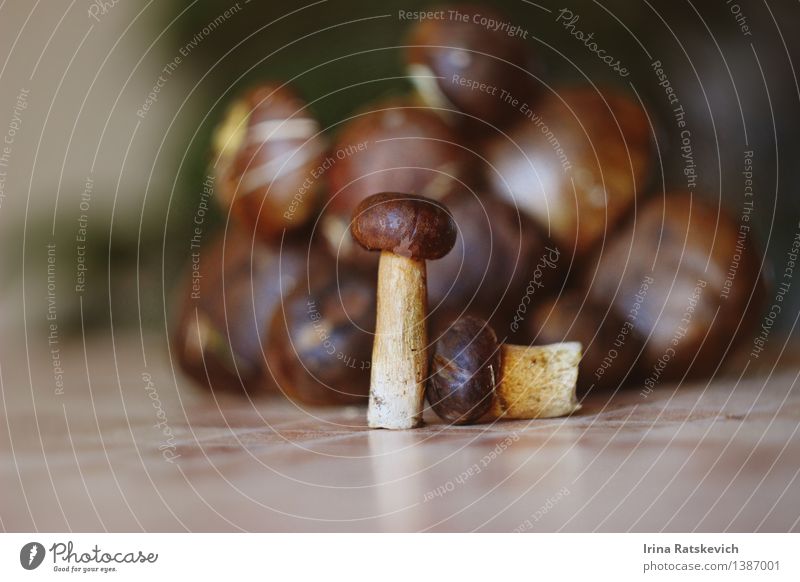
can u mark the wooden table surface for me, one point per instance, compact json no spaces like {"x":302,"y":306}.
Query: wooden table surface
{"x":705,"y":456}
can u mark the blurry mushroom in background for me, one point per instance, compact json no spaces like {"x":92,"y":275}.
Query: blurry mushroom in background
{"x":611,"y":346}
{"x":321,"y":338}
{"x":473,"y":60}
{"x":395,"y":145}
{"x":703,"y":277}
{"x":266,"y":151}
{"x":575,"y":163}
{"x":234,"y":285}
{"x":501,"y":262}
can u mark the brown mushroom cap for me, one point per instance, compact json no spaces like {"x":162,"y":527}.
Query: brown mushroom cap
{"x":672,"y":262}
{"x":407,"y":225}
{"x":223,"y":320}
{"x":583,"y":189}
{"x":320,"y":339}
{"x":267,"y":149}
{"x":464,"y":370}
{"x":457,"y":48}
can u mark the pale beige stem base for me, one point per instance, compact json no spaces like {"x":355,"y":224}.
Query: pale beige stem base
{"x":399,"y":359}
{"x":537,"y":381}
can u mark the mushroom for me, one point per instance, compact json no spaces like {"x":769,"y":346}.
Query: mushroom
{"x":689,"y":277}
{"x":500,"y":256}
{"x":458,"y":63}
{"x":233,"y":287}
{"x":576,"y":164}
{"x":473,"y":374}
{"x":268,"y":151}
{"x":408,"y":230}
{"x":321,"y":337}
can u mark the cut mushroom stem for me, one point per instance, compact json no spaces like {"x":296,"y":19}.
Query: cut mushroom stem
{"x":408,"y":230}
{"x":537,"y":381}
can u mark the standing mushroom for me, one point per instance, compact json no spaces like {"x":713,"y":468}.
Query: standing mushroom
{"x":408,"y":230}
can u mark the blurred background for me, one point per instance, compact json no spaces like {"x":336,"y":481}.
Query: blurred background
{"x":112,"y":179}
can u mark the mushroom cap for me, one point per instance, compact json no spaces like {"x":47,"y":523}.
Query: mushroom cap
{"x":440,"y":50}
{"x":464,"y":370}
{"x":320,"y":340}
{"x":405,"y":224}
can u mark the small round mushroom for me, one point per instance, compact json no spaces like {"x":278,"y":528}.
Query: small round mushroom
{"x":462,"y":63}
{"x":266,"y":153}
{"x":464,"y":370}
{"x":226,"y":305}
{"x":396,"y":145}
{"x":321,"y":339}
{"x":523,"y":381}
{"x":408,"y":230}
{"x":577,"y":166}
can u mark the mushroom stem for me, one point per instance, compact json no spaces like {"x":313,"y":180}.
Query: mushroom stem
{"x":537,"y":381}
{"x":399,"y":359}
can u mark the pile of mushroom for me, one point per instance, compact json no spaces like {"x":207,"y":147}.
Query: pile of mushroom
{"x":525,"y":256}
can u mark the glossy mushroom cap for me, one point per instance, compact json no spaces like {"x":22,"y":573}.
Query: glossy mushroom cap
{"x":672,"y":263}
{"x":581,"y":190}
{"x":321,"y":339}
{"x":443,"y":52}
{"x":266,"y":153}
{"x":226,"y":307}
{"x":407,"y":225}
{"x":464,"y":371}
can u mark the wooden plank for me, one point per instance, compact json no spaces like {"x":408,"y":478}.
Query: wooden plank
{"x":120,"y":455}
